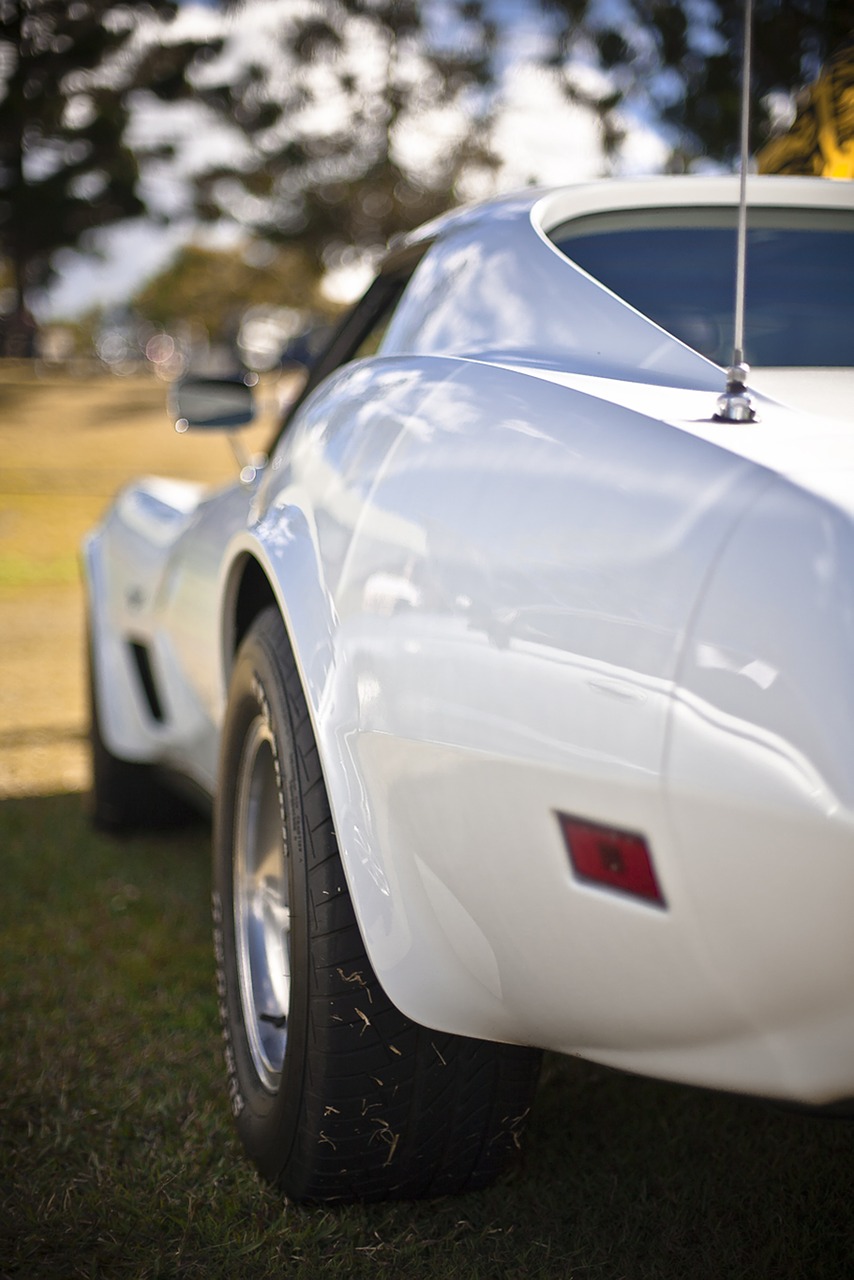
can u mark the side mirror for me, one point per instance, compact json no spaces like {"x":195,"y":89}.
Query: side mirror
{"x":211,"y":403}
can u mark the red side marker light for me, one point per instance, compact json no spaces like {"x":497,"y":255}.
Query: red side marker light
{"x":610,"y":858}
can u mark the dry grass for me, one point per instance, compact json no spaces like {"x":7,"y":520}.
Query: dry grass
{"x":66,"y":445}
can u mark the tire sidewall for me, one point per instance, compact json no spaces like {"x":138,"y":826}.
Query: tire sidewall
{"x":267,"y":1122}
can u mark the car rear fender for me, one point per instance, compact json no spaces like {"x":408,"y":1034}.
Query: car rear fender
{"x":759,"y":768}
{"x":422,"y":876}
{"x":282,"y":547}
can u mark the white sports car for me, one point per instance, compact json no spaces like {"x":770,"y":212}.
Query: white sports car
{"x":521,"y":681}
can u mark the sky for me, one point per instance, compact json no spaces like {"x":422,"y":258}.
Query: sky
{"x":539,"y":138}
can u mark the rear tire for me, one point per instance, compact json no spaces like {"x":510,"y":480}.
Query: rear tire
{"x":336,"y":1095}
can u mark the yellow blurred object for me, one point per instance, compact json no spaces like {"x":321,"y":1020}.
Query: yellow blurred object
{"x":821,"y":140}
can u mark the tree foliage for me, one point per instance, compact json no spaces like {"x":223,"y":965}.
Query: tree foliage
{"x":68,"y":73}
{"x":680,"y":61}
{"x":324,"y":105}
{"x":820,"y":140}
{"x":344,"y":122}
{"x":201,"y":287}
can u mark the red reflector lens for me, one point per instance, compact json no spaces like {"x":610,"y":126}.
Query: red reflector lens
{"x":610,"y":858}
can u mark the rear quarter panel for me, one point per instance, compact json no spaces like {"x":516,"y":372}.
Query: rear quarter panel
{"x":760,"y":781}
{"x":511,"y":567}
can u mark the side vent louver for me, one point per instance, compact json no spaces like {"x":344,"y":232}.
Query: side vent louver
{"x":146,"y":678}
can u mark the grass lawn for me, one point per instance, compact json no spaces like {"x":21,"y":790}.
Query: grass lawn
{"x":66,"y":445}
{"x":117,"y":1157}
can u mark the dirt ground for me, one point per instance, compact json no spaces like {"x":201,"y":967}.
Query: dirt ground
{"x":67,"y":444}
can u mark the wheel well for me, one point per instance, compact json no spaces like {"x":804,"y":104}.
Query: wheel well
{"x":252,"y":596}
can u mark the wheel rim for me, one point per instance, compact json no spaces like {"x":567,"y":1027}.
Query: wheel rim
{"x":262,"y":906}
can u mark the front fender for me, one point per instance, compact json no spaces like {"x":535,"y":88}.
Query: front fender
{"x":123,"y":562}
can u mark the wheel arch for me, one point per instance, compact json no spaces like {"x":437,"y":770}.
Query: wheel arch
{"x":278,"y":562}
{"x":451,"y":1111}
{"x":248,"y":592}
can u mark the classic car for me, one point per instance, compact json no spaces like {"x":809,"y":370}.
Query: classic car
{"x":519,"y":678}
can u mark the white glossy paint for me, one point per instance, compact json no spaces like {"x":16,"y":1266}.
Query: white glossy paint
{"x":523,"y":573}
{"x":124,"y":563}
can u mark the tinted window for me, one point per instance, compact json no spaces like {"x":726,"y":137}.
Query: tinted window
{"x":358,"y":333}
{"x":678,"y":268}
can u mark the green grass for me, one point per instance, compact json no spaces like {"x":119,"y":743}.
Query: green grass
{"x":117,"y":1157}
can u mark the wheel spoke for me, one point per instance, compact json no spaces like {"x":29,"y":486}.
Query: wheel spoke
{"x":261,"y":904}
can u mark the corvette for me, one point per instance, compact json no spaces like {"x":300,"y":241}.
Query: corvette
{"x":520,"y":680}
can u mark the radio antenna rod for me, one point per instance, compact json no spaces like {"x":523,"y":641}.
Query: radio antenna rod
{"x":735,"y":404}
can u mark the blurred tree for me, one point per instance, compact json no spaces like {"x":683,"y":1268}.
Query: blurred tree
{"x":820,"y":141}
{"x":326,"y":105}
{"x":201,"y":286}
{"x":68,"y":71}
{"x":680,"y":61}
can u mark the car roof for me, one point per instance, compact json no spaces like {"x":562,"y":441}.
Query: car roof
{"x":547,"y":208}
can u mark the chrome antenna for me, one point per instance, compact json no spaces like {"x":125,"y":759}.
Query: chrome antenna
{"x":735,"y":404}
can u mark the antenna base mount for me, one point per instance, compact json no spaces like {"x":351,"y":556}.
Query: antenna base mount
{"x":736,"y":405}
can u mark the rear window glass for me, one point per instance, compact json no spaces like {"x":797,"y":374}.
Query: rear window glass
{"x":678,"y":268}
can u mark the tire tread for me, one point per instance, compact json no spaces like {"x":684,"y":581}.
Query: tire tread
{"x":389,"y":1109}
